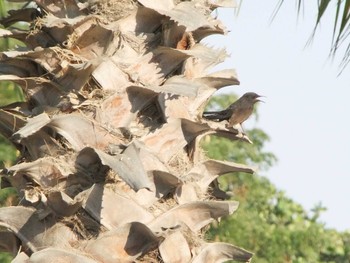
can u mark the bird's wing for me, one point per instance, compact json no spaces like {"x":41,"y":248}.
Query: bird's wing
{"x":217,"y":115}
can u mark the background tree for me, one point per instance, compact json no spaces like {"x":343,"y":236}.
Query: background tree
{"x":10,"y":92}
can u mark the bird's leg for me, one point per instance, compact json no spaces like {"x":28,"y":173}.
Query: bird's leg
{"x":240,"y":129}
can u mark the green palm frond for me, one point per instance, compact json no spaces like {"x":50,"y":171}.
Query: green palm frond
{"x":341,"y":27}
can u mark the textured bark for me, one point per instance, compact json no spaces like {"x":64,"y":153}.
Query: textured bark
{"x":111,"y":169}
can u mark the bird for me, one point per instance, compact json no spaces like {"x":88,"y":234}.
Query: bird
{"x":237,"y":112}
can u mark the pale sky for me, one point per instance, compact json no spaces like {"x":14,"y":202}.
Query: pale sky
{"x":306,"y":113}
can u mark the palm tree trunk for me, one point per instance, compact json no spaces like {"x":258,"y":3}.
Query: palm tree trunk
{"x":110,"y":167}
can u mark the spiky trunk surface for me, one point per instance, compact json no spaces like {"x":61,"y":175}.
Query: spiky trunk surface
{"x":111,"y":170}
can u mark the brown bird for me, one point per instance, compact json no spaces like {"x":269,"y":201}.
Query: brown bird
{"x":237,"y":112}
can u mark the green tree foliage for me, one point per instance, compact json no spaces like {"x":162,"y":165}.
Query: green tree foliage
{"x":270,"y":224}
{"x":8,"y":153}
{"x":9,"y":92}
{"x":5,"y":257}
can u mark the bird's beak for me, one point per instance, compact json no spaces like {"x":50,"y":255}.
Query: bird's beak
{"x":258,"y":98}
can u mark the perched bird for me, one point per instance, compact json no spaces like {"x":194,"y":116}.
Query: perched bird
{"x":237,"y":112}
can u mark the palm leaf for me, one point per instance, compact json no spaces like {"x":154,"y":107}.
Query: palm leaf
{"x":341,"y":27}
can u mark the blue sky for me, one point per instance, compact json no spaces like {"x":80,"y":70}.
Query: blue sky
{"x":307,"y":107}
